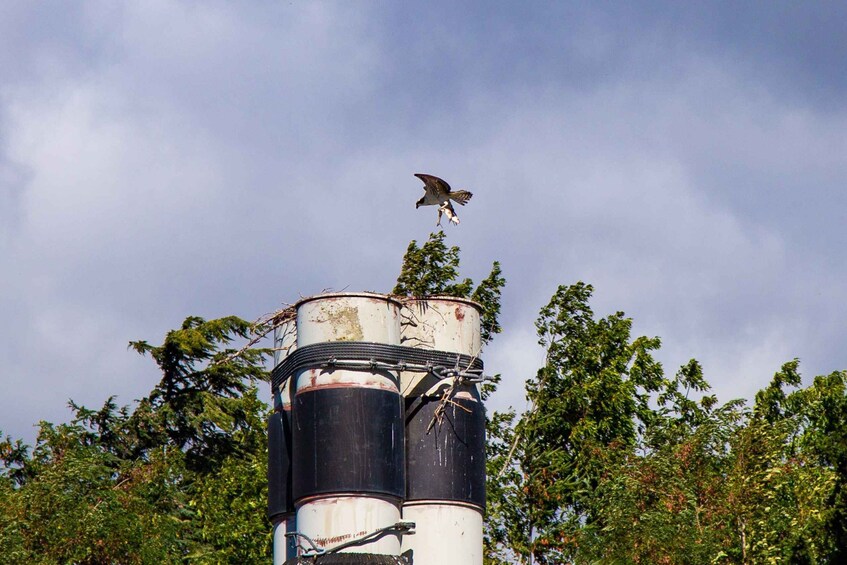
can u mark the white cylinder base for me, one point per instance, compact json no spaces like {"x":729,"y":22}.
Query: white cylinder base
{"x":445,"y":534}
{"x":335,"y":520}
{"x":284,"y":547}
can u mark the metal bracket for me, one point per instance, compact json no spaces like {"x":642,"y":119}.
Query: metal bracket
{"x":400,"y":529}
{"x":366,"y":356}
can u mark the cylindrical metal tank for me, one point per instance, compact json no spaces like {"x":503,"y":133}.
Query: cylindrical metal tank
{"x":280,"y":499}
{"x":445,"y":439}
{"x":441,"y":323}
{"x":348,"y":449}
{"x":285,"y":547}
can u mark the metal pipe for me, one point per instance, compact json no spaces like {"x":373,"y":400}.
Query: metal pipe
{"x":280,"y":500}
{"x":439,"y":323}
{"x":348,"y":449}
{"x":285,"y":547}
{"x":445,"y":435}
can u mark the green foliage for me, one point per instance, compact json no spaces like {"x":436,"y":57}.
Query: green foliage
{"x":180,"y":478}
{"x":230,"y":504}
{"x":499,"y":491}
{"x":433,"y":270}
{"x":612,"y":463}
{"x":487,"y":294}
{"x":197,"y":406}
{"x":586,"y":402}
{"x":81,"y":504}
{"x":823,"y":410}
{"x":715,"y":485}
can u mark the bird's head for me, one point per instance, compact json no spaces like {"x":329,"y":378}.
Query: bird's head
{"x":419,"y":203}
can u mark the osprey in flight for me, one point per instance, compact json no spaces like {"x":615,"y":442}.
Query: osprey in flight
{"x":438,"y":193}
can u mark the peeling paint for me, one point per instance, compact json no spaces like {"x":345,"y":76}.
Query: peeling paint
{"x":348,"y":317}
{"x":345,"y":323}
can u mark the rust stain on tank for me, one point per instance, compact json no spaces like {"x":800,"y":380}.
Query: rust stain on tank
{"x":364,"y":383}
{"x":460,"y":313}
{"x":318,"y":378}
{"x":373,"y":385}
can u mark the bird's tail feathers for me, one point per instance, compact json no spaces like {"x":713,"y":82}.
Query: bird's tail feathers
{"x":461,"y":196}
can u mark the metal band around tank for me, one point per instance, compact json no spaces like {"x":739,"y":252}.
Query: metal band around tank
{"x":446,"y":459}
{"x":346,"y":441}
{"x":280,"y":500}
{"x":374,"y":356}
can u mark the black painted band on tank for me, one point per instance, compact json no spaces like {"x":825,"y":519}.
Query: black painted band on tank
{"x":348,"y":440}
{"x":445,"y":456}
{"x":280,"y":500}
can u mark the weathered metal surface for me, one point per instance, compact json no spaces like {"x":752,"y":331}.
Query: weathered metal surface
{"x":444,"y":534}
{"x":446,"y":460}
{"x":442,"y":323}
{"x":282,"y":397}
{"x":335,"y":520}
{"x":285,"y":548}
{"x":326,"y":378}
{"x":280,"y":499}
{"x":350,"y":559}
{"x":445,"y":450}
{"x":285,"y":342}
{"x":357,"y":444}
{"x":348,"y":317}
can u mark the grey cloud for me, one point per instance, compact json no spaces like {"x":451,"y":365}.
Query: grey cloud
{"x":214,"y":159}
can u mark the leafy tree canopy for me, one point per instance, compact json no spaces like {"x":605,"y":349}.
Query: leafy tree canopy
{"x":433,"y":270}
{"x":613,"y":461}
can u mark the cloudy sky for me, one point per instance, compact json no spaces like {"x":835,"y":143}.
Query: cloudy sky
{"x":160,"y":160}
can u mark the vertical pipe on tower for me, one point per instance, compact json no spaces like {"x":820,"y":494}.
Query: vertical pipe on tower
{"x":348,"y":443}
{"x":445,"y":439}
{"x":280,"y":500}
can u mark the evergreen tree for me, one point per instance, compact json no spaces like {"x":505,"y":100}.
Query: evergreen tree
{"x":587,"y":400}
{"x":433,"y":269}
{"x":150,"y":485}
{"x":612,"y":463}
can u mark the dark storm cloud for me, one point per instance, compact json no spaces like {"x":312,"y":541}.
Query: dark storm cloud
{"x":160,"y":160}
{"x":797,"y":48}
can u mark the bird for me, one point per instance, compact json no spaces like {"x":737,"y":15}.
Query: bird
{"x":437,"y":192}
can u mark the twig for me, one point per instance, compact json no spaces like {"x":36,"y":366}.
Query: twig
{"x":511,"y":452}
{"x":447,"y":397}
{"x":262,"y":327}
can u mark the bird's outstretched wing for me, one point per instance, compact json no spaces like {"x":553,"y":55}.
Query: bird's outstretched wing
{"x":434,"y":185}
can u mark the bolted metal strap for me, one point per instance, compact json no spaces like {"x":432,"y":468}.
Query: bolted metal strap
{"x":367,"y":356}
